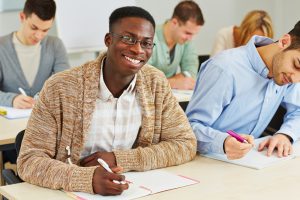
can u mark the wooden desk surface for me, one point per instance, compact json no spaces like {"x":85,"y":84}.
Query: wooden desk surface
{"x":218,"y":180}
{"x":9,"y":128}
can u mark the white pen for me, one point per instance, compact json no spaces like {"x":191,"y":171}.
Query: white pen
{"x":106,"y":167}
{"x":186,"y":74}
{"x":22,"y":91}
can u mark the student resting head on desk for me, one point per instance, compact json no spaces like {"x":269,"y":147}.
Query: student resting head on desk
{"x":28,"y":57}
{"x":116,"y":108}
{"x":240,"y":89}
{"x":174,"y":48}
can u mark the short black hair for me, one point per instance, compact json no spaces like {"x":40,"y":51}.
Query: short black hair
{"x":296,"y":30}
{"x":295,"y":36}
{"x":129,"y":11}
{"x":188,"y":10}
{"x":44,"y":9}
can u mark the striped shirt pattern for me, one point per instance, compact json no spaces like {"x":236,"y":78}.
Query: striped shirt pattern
{"x":115,"y":122}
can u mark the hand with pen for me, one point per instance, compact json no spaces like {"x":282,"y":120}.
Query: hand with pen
{"x":237,"y":145}
{"x":106,"y":180}
{"x":22,"y":101}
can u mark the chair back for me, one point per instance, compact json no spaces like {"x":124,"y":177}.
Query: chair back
{"x":8,"y":174}
{"x":18,"y":141}
{"x":202,"y":59}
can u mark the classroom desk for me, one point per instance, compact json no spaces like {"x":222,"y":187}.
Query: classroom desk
{"x":9,"y":128}
{"x":183,"y":95}
{"x":218,"y":180}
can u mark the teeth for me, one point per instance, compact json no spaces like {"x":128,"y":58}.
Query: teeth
{"x":132,"y":60}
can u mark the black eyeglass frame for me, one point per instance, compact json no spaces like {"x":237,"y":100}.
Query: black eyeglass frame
{"x":130,"y":40}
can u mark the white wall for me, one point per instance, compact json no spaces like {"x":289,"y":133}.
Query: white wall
{"x":8,"y":22}
{"x":221,"y":13}
{"x":217,"y":14}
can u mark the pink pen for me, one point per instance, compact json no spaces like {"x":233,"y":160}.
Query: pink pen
{"x":237,"y":136}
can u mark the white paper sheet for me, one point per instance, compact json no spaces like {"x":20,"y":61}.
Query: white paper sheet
{"x":144,"y":183}
{"x":254,"y":159}
{"x":14,"y":113}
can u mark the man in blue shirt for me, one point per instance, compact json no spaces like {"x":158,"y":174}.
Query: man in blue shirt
{"x":241,"y":89}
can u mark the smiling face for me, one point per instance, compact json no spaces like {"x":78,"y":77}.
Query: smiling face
{"x":33,"y":29}
{"x":286,"y":67}
{"x":126,"y":59}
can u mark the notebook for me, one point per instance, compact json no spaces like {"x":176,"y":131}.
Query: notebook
{"x":14,"y":113}
{"x":143,"y":184}
{"x":255,"y":159}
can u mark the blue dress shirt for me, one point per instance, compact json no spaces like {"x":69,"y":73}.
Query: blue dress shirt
{"x":233,"y":92}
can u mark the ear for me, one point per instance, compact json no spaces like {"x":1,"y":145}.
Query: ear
{"x":107,"y":39}
{"x":285,"y":41}
{"x":22,"y":17}
{"x":174,"y":21}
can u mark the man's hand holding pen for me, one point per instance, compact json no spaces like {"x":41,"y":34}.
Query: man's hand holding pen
{"x":106,"y":179}
{"x":235,"y":149}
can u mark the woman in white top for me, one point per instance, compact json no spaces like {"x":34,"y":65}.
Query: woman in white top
{"x":256,"y":22}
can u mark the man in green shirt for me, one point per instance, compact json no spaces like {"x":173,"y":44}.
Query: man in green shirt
{"x":173,"y":47}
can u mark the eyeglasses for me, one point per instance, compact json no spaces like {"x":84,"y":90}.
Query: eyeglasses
{"x":145,"y":44}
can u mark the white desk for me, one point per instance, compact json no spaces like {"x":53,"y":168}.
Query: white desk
{"x":9,"y":128}
{"x":182,"y":95}
{"x":218,"y":180}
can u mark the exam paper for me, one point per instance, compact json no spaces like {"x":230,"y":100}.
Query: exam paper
{"x":255,"y":159}
{"x":143,"y":184}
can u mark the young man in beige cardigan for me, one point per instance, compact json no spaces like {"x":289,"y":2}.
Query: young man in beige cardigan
{"x":116,"y":108}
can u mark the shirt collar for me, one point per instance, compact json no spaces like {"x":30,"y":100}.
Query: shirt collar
{"x":160,"y":33}
{"x":256,"y":61}
{"x":105,"y":94}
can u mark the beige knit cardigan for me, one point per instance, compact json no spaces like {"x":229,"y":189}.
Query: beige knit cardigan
{"x":62,"y":117}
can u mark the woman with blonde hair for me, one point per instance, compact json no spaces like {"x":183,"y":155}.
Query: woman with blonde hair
{"x":256,"y":22}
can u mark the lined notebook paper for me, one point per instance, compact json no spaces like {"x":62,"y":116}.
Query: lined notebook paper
{"x":144,"y":183}
{"x":14,"y":113}
{"x":255,"y":159}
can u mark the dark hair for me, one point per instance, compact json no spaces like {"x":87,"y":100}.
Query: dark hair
{"x":129,"y":11}
{"x":295,"y":36}
{"x":44,"y":9}
{"x":188,"y":10}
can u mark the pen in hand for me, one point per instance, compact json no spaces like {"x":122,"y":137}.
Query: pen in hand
{"x":22,"y":92}
{"x":106,"y":167}
{"x":187,"y":74}
{"x":237,"y":136}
